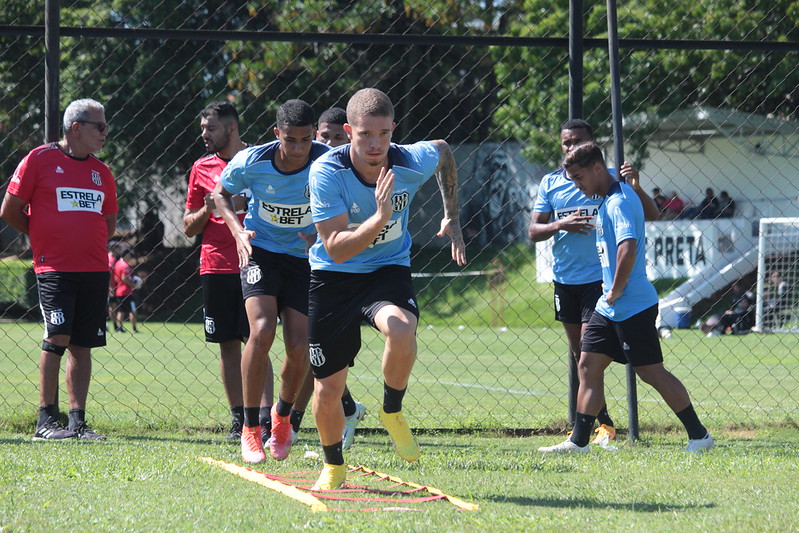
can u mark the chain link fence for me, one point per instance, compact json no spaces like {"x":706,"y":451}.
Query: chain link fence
{"x":710,"y":99}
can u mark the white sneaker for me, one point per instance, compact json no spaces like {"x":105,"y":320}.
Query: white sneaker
{"x":350,"y":423}
{"x":566,"y":446}
{"x":700,"y":445}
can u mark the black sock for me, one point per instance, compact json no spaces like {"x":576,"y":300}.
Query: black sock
{"x":46,"y":413}
{"x":348,"y":403}
{"x":76,"y":417}
{"x":283,"y":408}
{"x":603,"y":417}
{"x":265,"y":417}
{"x":237,"y":413}
{"x":583,"y":424}
{"x":251,"y":417}
{"x":333,"y":454}
{"x":692,"y":424}
{"x":392,"y":399}
{"x":296,"y":419}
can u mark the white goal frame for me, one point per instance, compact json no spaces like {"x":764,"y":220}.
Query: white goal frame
{"x":773,"y":248}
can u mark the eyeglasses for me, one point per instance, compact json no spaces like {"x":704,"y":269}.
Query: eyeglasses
{"x":101,"y":126}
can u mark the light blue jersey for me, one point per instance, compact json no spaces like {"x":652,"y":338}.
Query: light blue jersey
{"x":337,"y":188}
{"x":575,"y":259}
{"x":280,"y":206}
{"x":621,"y":217}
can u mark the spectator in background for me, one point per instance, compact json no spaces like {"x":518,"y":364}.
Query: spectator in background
{"x":776,"y":301}
{"x":709,"y":208}
{"x":65,"y":200}
{"x":727,"y":206}
{"x":659,"y":199}
{"x":123,"y":292}
{"x":673,"y":208}
{"x":739,"y":319}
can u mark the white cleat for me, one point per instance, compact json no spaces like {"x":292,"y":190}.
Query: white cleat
{"x":700,"y":445}
{"x":566,"y":446}
{"x":350,"y":423}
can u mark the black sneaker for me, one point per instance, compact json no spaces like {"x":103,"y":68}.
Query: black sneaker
{"x":83,"y":431}
{"x":265,"y":435}
{"x":235,"y":431}
{"x":52,"y":430}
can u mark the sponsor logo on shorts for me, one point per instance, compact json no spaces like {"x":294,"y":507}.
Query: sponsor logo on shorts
{"x":56,"y":317}
{"x":99,"y":332}
{"x":254,"y":275}
{"x":316,"y":355}
{"x":96,"y":178}
{"x":412,"y":302}
{"x":74,"y":199}
{"x":210,"y":325}
{"x":625,"y":347}
{"x":399,"y":201}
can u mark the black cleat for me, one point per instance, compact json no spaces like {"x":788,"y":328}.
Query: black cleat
{"x":235,"y":431}
{"x":52,"y":430}
{"x":83,"y":431}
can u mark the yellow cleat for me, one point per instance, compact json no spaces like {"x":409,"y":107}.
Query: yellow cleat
{"x":331,"y":478}
{"x":604,"y":434}
{"x":404,"y":443}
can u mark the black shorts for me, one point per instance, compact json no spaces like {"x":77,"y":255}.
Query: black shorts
{"x":74,"y":304}
{"x":339,"y":301}
{"x":224,"y":316}
{"x":126,"y":303}
{"x":280,"y":275}
{"x":574,"y":304}
{"x":633,"y":341}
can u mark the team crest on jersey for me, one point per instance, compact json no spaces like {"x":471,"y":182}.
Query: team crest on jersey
{"x":96,"y":178}
{"x":399,"y":201}
{"x":56,"y":317}
{"x":316,"y":355}
{"x":253,"y":275}
{"x":210,"y":325}
{"x":599,"y":231}
{"x":308,"y":192}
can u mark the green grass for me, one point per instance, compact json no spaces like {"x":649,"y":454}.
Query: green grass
{"x":477,"y":377}
{"x":152,"y":481}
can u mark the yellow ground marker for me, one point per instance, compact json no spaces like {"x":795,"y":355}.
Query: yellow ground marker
{"x":457,"y":502}
{"x":258,"y":477}
{"x":314,"y":503}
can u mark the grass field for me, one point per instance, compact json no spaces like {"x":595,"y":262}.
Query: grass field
{"x":158,"y":396}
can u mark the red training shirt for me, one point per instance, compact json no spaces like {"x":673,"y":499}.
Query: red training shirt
{"x":218,"y":250}
{"x":68,"y":200}
{"x":122,"y":269}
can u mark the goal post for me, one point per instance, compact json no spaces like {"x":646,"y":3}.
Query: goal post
{"x":777,"y":303}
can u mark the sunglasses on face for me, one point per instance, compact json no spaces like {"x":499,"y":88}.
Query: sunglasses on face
{"x":101,"y":126}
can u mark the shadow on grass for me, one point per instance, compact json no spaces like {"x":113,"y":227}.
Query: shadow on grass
{"x":596,"y":504}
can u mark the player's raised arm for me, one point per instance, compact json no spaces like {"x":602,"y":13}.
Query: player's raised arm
{"x":447,"y":178}
{"x":343,"y":242}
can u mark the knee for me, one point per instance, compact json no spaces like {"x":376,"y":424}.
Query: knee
{"x":262,"y":331}
{"x":402,"y":334}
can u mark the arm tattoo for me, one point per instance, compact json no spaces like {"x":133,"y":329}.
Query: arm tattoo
{"x":447,"y":178}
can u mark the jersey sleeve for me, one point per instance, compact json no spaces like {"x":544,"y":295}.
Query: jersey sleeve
{"x":622,"y":220}
{"x":110,"y":205}
{"x":542,"y":203}
{"x":24,"y":179}
{"x":195,"y":196}
{"x":426,"y":156}
{"x":327,"y":200}
{"x":233,"y":178}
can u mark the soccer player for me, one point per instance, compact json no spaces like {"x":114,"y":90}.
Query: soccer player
{"x":330,"y":132}
{"x":622,"y":328}
{"x":360,"y":265}
{"x":565,"y":214}
{"x":272,"y":250}
{"x":225,"y":319}
{"x":65,"y":199}
{"x":331,"y":127}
